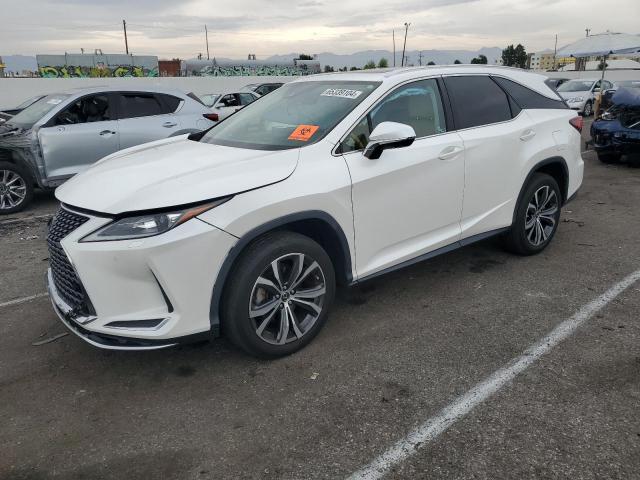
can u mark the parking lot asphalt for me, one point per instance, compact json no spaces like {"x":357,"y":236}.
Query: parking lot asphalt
{"x":395,"y":351}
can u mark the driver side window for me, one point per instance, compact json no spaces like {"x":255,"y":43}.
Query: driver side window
{"x":93,"y":108}
{"x":417,"y":104}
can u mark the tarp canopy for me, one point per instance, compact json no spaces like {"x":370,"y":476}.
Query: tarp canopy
{"x":602,"y":44}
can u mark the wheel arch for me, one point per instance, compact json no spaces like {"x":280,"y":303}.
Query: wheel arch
{"x":315,"y":224}
{"x":553,"y":166}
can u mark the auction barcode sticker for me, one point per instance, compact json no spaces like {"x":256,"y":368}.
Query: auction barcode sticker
{"x":341,"y":92}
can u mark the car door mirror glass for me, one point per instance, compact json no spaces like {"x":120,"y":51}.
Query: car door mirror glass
{"x":388,"y":135}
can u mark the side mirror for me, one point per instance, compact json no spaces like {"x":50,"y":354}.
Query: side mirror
{"x":388,"y":135}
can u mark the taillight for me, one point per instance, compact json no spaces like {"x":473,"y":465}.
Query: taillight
{"x":211,"y":116}
{"x":577,"y":123}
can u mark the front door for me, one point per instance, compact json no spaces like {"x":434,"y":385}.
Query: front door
{"x":81,"y":134}
{"x":409,"y":201}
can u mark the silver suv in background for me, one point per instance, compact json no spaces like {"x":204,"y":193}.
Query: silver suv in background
{"x":62,"y":134}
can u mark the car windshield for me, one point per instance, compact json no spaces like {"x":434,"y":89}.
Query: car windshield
{"x":30,"y":115}
{"x":297,"y":114}
{"x":576,"y":86}
{"x":210,"y":99}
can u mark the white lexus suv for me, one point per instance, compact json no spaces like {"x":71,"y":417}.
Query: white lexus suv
{"x":246,"y":229}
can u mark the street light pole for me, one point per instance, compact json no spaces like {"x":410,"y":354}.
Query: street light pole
{"x":406,"y":30}
{"x":393,"y":33}
{"x":126,"y":43}
{"x":206,"y":36}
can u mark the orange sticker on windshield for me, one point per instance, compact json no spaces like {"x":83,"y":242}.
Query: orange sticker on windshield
{"x":303,"y":132}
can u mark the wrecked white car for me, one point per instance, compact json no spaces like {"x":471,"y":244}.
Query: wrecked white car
{"x":62,"y":134}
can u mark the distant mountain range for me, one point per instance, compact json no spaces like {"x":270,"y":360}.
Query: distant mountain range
{"x":18,"y":63}
{"x":359,"y":59}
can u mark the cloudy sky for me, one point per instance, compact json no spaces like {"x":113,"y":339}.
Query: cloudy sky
{"x":175,"y":28}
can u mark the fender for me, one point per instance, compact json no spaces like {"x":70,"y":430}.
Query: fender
{"x":548,"y":161}
{"x":238,"y":248}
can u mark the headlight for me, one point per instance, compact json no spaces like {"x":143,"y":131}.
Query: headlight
{"x":149,"y":225}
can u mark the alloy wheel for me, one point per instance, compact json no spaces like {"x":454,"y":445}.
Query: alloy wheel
{"x":287,"y":298}
{"x":13,"y":189}
{"x":587,"y":109}
{"x":541,"y":214}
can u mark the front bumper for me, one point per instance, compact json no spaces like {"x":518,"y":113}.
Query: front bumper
{"x":74,"y":322}
{"x":609,"y":136}
{"x":145,"y":294}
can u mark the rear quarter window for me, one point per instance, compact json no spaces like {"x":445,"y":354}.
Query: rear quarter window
{"x":527,"y":98}
{"x":476,"y":101}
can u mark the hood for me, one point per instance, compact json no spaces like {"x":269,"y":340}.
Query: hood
{"x":173,"y":172}
{"x":567,"y":95}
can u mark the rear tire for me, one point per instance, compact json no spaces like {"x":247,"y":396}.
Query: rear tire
{"x":609,"y":157}
{"x":16,"y":188}
{"x":537,"y":216}
{"x":278,"y":295}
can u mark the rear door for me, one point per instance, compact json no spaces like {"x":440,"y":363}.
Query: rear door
{"x":80,"y":134}
{"x":144,"y":117}
{"x":495,"y":133}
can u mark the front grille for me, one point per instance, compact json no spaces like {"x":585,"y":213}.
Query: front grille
{"x":65,"y":279}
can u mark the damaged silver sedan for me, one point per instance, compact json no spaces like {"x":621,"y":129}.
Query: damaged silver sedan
{"x":62,"y":134}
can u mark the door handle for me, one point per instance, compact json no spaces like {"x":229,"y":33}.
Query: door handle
{"x":450,"y":152}
{"x":527,"y":135}
{"x":107,"y":133}
{"x":169,"y":124}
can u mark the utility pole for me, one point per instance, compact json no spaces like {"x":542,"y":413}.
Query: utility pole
{"x":126,"y":43}
{"x":587,"y":30}
{"x":393,"y":32}
{"x":406,"y":30}
{"x":420,"y":58}
{"x":555,"y":51}
{"x":206,"y":36}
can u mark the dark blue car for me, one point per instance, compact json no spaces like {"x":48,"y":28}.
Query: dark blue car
{"x":617,"y":132}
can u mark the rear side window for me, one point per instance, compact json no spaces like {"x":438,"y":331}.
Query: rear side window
{"x":527,"y":98}
{"x":171,"y":103}
{"x":477,"y":101}
{"x":133,"y":105}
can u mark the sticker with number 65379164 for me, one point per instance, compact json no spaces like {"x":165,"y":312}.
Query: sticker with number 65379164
{"x":303,"y":132}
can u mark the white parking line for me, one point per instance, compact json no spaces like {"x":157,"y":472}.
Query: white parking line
{"x":22,"y":300}
{"x":433,"y":427}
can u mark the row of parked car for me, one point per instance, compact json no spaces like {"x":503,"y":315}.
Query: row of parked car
{"x":49,"y":138}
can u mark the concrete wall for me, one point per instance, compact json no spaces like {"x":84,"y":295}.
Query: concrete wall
{"x":15,"y":90}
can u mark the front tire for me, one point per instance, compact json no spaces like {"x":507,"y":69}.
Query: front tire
{"x":588,"y":109}
{"x":16,"y":188}
{"x":537,"y":216}
{"x":278,"y":295}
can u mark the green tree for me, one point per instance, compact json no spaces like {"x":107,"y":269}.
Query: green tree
{"x":431,"y":63}
{"x":514,"y":56}
{"x":369,"y":65}
{"x":383,"y":63}
{"x":457,"y":62}
{"x":304,"y":56}
{"x":328,"y":68}
{"x":482,"y":60}
{"x":353,"y":68}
